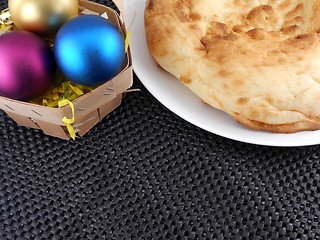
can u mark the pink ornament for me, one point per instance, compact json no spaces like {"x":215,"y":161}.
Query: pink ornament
{"x":26,"y":65}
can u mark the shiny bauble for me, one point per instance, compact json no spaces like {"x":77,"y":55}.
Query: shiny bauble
{"x":27,"y":65}
{"x":43,"y":17}
{"x":89,"y":50}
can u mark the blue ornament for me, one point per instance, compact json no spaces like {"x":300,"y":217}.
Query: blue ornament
{"x":89,"y":50}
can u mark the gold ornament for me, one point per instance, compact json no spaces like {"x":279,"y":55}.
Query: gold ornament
{"x":43,"y":17}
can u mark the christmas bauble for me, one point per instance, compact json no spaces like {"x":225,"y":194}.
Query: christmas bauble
{"x":43,"y":17}
{"x":89,"y":50}
{"x":26,"y":65}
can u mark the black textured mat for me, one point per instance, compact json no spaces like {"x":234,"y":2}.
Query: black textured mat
{"x":143,"y":173}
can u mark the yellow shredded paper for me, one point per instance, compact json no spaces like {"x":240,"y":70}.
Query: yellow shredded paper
{"x":61,"y":90}
{"x":6,"y":23}
{"x":68,"y":122}
{"x":126,"y":42}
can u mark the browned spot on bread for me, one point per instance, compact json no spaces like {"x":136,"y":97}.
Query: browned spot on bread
{"x":237,"y":28}
{"x":218,"y":28}
{"x":193,"y":26}
{"x":231,"y":37}
{"x":296,"y":21}
{"x":204,"y":102}
{"x":224,"y":73}
{"x":205,"y":42}
{"x":295,"y":12}
{"x":196,"y":29}
{"x":181,"y":10}
{"x":238,"y":82}
{"x":185,"y":80}
{"x":202,"y":48}
{"x":285,"y":5}
{"x":254,"y":114}
{"x":263,"y":15}
{"x":243,"y":100}
{"x":274,"y":52}
{"x":194,"y":17}
{"x":275,"y":34}
{"x":300,"y":58}
{"x":169,"y":31}
{"x":306,"y":36}
{"x":269,"y":99}
{"x":292,"y":30}
{"x":258,"y":34}
{"x":182,"y":16}
{"x":221,"y":59}
{"x":242,"y":28}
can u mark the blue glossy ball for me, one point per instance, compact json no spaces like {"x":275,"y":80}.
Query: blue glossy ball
{"x":89,"y":50}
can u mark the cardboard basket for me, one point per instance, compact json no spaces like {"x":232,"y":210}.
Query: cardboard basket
{"x":90,"y":108}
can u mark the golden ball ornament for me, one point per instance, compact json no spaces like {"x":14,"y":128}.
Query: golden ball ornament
{"x":44,"y":17}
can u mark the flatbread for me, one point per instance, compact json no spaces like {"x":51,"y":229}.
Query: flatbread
{"x":258,"y":61}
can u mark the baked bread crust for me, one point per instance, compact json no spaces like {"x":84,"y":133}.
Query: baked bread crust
{"x":258,"y":61}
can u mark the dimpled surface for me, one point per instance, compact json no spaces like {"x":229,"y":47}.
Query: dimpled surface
{"x":258,"y":61}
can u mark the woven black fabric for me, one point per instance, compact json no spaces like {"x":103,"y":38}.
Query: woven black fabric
{"x":144,"y":173}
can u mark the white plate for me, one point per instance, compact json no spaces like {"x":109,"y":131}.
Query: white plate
{"x":180,"y":100}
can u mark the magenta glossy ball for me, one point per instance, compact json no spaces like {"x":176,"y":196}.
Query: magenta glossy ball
{"x":26,"y":65}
